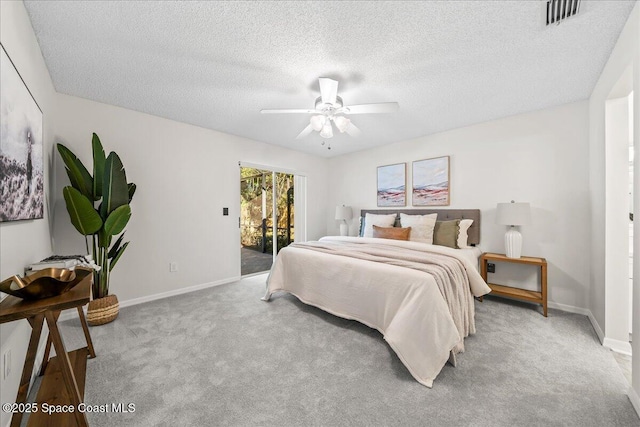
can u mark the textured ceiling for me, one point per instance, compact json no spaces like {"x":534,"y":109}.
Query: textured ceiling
{"x":217,"y":64}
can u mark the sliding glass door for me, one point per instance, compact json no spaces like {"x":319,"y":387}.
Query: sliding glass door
{"x":267,"y":216}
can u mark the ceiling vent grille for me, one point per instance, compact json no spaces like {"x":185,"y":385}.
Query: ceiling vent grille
{"x":559,"y":10}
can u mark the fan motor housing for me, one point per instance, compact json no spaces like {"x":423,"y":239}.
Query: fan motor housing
{"x":322,"y":106}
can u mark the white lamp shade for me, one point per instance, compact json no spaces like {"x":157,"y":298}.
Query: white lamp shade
{"x":342,"y":123}
{"x":513,"y":214}
{"x":343,"y":213}
{"x":317,"y":122}
{"x":327,"y":130}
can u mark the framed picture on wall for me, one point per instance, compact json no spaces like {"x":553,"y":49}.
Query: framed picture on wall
{"x":431,"y":182}
{"x":392,"y":185}
{"x":21,"y":147}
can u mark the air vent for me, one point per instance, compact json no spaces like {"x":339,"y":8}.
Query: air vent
{"x":559,"y":10}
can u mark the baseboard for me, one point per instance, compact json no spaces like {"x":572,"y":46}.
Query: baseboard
{"x":71,"y":314}
{"x":596,"y":327}
{"x":568,"y":308}
{"x":259,"y":273}
{"x":635,"y":400}
{"x":175,"y":292}
{"x":583,"y":311}
{"x":618,"y":346}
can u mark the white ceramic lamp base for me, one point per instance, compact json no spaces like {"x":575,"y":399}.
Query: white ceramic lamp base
{"x":513,"y":243}
{"x":344,"y":229}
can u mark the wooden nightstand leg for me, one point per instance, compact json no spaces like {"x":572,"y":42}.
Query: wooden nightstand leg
{"x":483,"y":273}
{"x":543,"y":280}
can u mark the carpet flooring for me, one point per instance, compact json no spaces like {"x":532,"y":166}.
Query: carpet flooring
{"x":221,"y":356}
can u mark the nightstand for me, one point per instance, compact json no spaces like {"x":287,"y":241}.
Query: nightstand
{"x":517,"y":293}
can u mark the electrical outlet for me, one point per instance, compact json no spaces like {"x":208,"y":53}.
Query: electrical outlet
{"x":173,"y":267}
{"x":6,"y":362}
{"x":491,"y":267}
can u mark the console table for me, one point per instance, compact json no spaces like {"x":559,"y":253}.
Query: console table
{"x":64,"y":375}
{"x":517,"y":293}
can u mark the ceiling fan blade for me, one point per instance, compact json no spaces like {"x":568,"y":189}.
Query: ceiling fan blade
{"x":291,"y":110}
{"x":306,"y":131}
{"x":328,"y":90}
{"x":353,"y":130}
{"x":382,"y":107}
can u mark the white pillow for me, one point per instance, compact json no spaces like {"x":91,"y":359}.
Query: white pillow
{"x":463,"y":236}
{"x":421,"y":226}
{"x":380,"y":220}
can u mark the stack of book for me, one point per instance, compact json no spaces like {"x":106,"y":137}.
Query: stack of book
{"x":60,"y":261}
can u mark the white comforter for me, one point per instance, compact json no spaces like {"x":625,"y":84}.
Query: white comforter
{"x":404,"y":304}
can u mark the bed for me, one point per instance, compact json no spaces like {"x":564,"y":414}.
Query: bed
{"x":419,"y":296}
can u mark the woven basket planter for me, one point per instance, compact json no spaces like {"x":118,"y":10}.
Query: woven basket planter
{"x":103,"y":310}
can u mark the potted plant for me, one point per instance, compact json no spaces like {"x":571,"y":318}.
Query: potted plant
{"x":98,"y":206}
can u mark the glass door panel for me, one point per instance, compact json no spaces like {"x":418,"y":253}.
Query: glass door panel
{"x":256,"y":220}
{"x":285,"y":230}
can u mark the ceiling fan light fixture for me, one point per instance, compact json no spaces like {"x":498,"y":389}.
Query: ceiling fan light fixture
{"x":329,"y":108}
{"x":342,"y":123}
{"x":327,"y":130}
{"x":317,"y":122}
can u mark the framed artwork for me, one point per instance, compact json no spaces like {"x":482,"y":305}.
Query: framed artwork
{"x":21,"y":147}
{"x":392,"y":183}
{"x":431,"y":182}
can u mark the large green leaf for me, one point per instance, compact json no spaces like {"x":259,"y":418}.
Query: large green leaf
{"x":83,"y":216}
{"x":115,"y":191}
{"x":117,"y":256}
{"x":79,"y":176}
{"x":117,"y":220}
{"x":132,"y":190}
{"x":116,"y":246}
{"x":99,"y":160}
{"x":104,"y":239}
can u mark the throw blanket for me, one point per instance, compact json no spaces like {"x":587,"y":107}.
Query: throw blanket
{"x":448,"y":272}
{"x":412,"y":305}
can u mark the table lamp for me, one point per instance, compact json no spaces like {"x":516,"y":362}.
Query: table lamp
{"x":343,"y":213}
{"x":513,"y":214}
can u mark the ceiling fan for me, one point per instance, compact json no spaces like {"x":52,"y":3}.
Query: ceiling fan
{"x":330,"y":108}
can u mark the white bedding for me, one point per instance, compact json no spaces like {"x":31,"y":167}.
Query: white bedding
{"x":472,"y":253}
{"x":404,"y":304}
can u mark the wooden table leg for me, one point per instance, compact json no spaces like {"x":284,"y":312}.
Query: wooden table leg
{"x":45,"y":358}
{"x":85,"y":328}
{"x":543,"y":285}
{"x":65,"y":367}
{"x":36,"y":330}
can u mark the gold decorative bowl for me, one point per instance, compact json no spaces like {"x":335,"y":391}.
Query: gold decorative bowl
{"x":44,"y":283}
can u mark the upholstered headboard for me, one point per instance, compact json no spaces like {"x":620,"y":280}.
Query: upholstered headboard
{"x":443,"y":215}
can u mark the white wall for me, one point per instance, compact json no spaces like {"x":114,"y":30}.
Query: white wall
{"x":185,"y":175}
{"x":23,"y":242}
{"x":617,"y":224}
{"x":625,"y":53}
{"x":539,"y":157}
